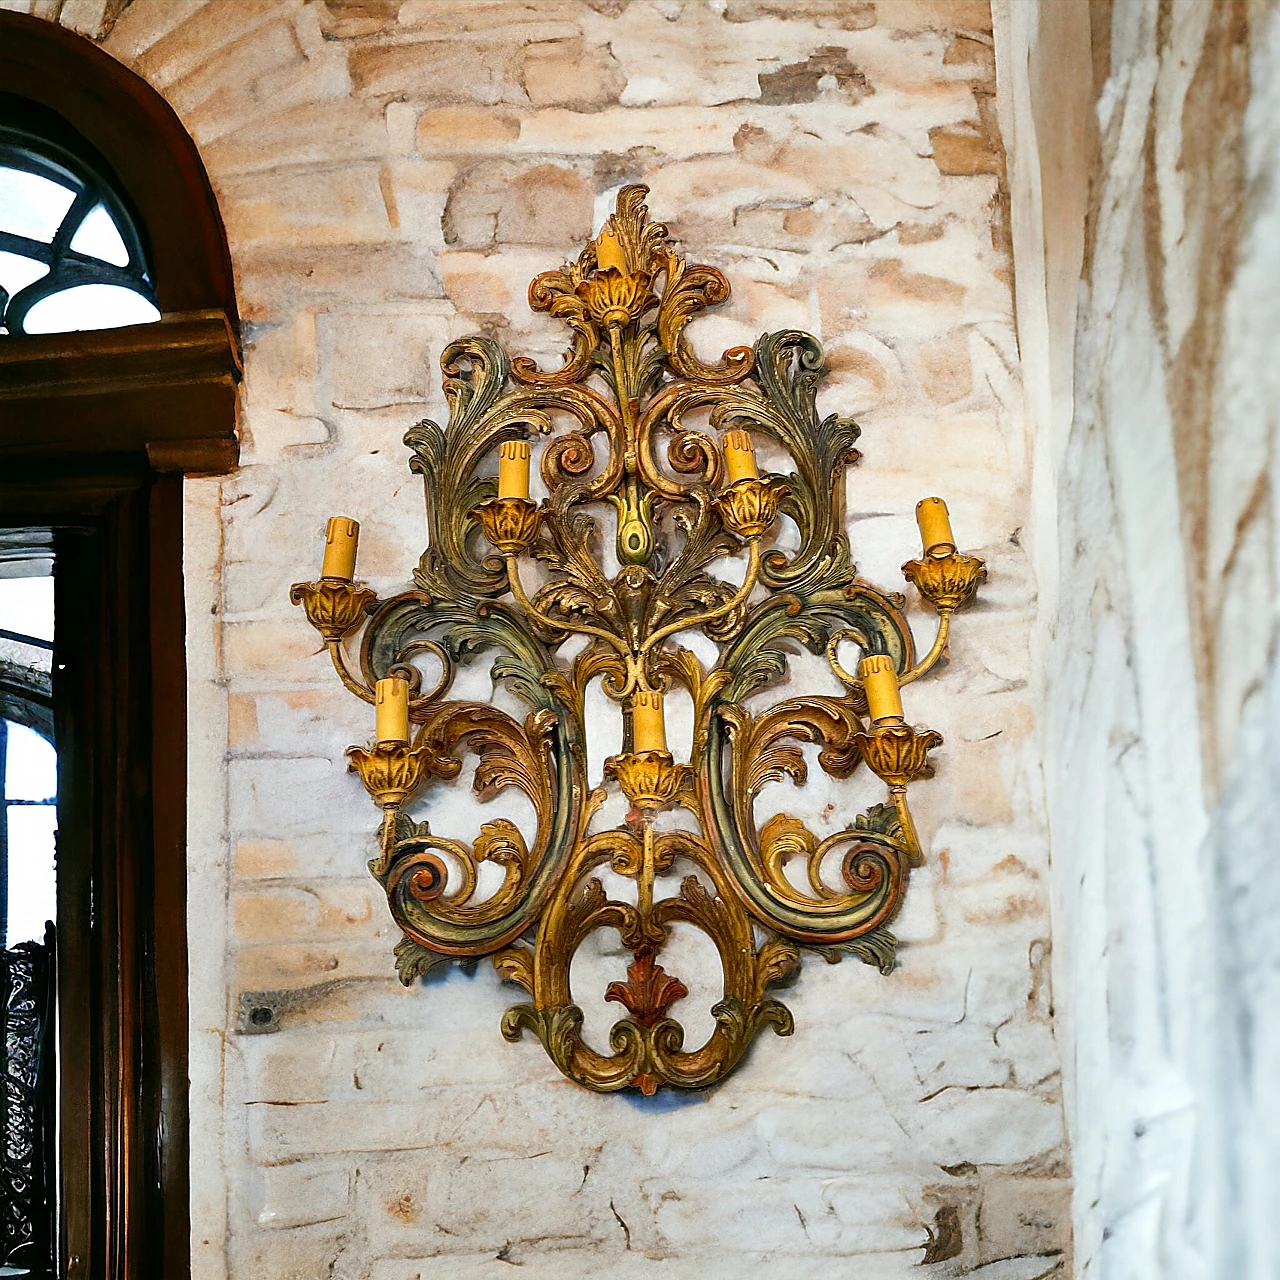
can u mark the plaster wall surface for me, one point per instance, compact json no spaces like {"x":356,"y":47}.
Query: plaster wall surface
{"x":391,"y":174}
{"x":1154,"y":525}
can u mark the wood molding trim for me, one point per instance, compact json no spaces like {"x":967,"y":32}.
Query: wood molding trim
{"x":168,"y":389}
{"x":120,"y":722}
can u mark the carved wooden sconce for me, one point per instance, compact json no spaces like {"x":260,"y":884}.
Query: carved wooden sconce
{"x":629,"y":384}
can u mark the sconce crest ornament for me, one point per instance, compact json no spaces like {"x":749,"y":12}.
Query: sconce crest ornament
{"x":619,"y":415}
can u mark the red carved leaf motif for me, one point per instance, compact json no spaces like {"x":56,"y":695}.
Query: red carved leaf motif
{"x":649,"y":990}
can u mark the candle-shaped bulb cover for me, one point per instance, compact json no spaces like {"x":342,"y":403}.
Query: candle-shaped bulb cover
{"x":609,"y":252}
{"x":392,"y":704}
{"x":648,"y":727}
{"x":935,"y":527}
{"x":341,"y":536}
{"x":880,"y":682}
{"x":740,"y":457}
{"x":513,"y":469}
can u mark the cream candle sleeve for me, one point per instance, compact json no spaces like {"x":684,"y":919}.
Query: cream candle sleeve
{"x":341,"y":537}
{"x":935,"y":526}
{"x":880,"y":681}
{"x":392,"y":706}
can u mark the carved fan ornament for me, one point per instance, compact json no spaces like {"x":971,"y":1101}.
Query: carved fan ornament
{"x":682,"y":498}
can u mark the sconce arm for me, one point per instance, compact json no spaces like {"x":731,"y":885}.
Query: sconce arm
{"x":937,"y":650}
{"x":701,"y":619}
{"x":557,"y":624}
{"x":946,"y":582}
{"x":358,"y":687}
{"x":910,"y":837}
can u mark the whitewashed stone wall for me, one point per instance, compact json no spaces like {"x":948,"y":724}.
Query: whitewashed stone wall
{"x":391,"y":175}
{"x":1155,"y":531}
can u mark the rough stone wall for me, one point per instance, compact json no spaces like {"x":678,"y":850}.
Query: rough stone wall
{"x":391,"y":175}
{"x":1160,"y":700}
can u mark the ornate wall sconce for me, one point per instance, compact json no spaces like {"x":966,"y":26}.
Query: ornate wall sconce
{"x":630,"y":384}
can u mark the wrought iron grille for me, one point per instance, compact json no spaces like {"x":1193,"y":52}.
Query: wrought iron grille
{"x":26,"y":1109}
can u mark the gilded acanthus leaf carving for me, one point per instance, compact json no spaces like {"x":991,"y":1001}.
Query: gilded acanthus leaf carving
{"x":652,"y":446}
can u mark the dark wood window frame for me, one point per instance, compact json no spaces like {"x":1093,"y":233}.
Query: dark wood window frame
{"x":96,"y":432}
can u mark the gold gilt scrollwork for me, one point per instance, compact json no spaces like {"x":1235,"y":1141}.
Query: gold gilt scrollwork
{"x":637,"y":429}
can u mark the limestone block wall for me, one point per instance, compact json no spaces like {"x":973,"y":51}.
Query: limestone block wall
{"x":391,"y":174}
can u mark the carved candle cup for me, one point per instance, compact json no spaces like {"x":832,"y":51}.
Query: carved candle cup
{"x":649,"y":779}
{"x":616,"y":297}
{"x":749,"y":507}
{"x":333,"y":606}
{"x":947,"y":581}
{"x":390,"y":771}
{"x":898,"y":754}
{"x":510,"y":524}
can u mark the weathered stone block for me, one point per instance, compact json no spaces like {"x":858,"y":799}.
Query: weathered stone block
{"x":312,"y":911}
{"x":262,"y":59}
{"x":826,"y":71}
{"x":348,"y":19}
{"x":675,"y":132}
{"x":849,"y":15}
{"x":546,"y":205}
{"x":562,"y":73}
{"x":1022,"y":1216}
{"x":448,"y":70}
{"x":291,"y":797}
{"x":964,"y":153}
{"x":934,"y":15}
{"x":325,"y":132}
{"x":986,"y":1126}
{"x":197,"y":37}
{"x":302,"y":1067}
{"x":945,"y":370}
{"x":371,"y":359}
{"x":140,"y":24}
{"x":274,"y":966}
{"x":265,"y":859}
{"x":450,"y":130}
{"x":302,"y":1195}
{"x":320,"y":206}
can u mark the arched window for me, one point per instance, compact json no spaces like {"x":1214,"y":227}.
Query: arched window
{"x":71,"y":256}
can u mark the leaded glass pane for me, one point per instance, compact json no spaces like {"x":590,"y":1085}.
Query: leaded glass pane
{"x":90,"y":306}
{"x":70,"y":257}
{"x":99,"y":237}
{"x":32,"y":206}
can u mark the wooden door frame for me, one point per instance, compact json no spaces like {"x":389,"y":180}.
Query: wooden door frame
{"x":96,"y":432}
{"x":120,"y":727}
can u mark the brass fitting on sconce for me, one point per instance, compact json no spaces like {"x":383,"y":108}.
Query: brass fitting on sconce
{"x":649,"y":779}
{"x":390,"y":771}
{"x":898,"y":754}
{"x":615,"y":297}
{"x":749,"y":507}
{"x":334,"y":606}
{"x":510,"y":524}
{"x":947,"y":581}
